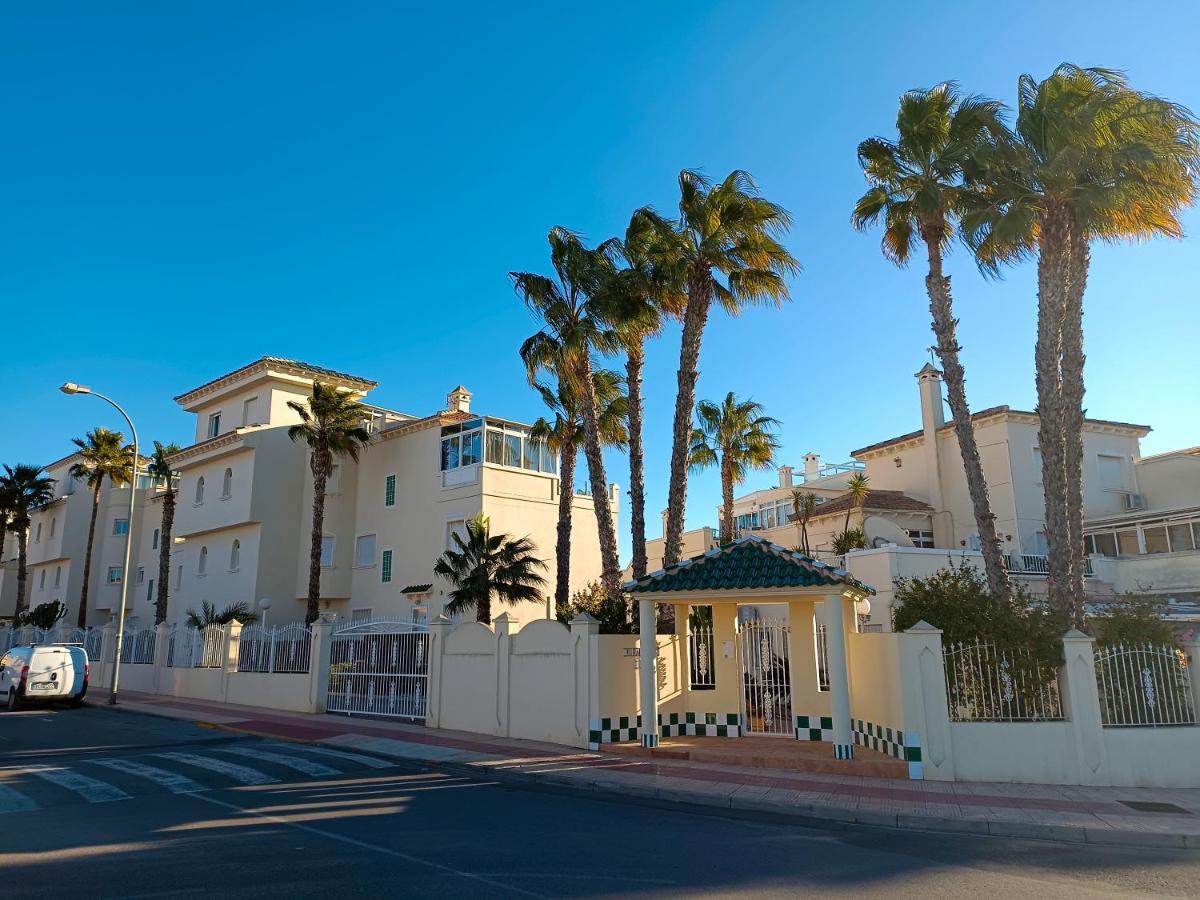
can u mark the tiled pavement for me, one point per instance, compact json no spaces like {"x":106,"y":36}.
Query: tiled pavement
{"x":1091,"y":814}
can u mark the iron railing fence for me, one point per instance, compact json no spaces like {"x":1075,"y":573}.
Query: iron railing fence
{"x":379,"y":667}
{"x":1144,"y":685}
{"x":1037,"y":564}
{"x":137,"y":646}
{"x":987,"y":684}
{"x":821,"y":641}
{"x":766,"y":678}
{"x":195,"y":648}
{"x":702,"y":674}
{"x":278,"y":648}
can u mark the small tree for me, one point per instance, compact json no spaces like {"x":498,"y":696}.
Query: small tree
{"x":44,"y":616}
{"x":1133,"y":620}
{"x":850,"y":539}
{"x":613,"y":616}
{"x":487,"y":566}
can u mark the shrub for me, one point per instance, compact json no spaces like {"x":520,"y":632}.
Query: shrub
{"x":1133,"y":620}
{"x":612,"y":614}
{"x":851,"y":539}
{"x":44,"y":615}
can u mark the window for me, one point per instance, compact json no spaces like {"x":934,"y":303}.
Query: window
{"x":120,"y":526}
{"x":1037,"y":465}
{"x":53,"y":522}
{"x":37,"y":534}
{"x":150,"y":591}
{"x":1040,"y":546}
{"x":358,"y":616}
{"x":503,"y":445}
{"x":921,"y":538}
{"x":1181,"y":537}
{"x":227,"y":485}
{"x":199,"y":490}
{"x":455,"y":526}
{"x":214,"y":425}
{"x":1112,"y":472}
{"x":1106,"y":543}
{"x":58,"y":576}
{"x":364,"y":550}
{"x":249,"y":411}
{"x":202,"y":565}
{"x":235,"y":555}
{"x":1156,"y":539}
{"x":154,"y":540}
{"x":42,"y":581}
{"x":461,"y":444}
{"x":115,"y":574}
{"x":331,"y":483}
{"x":389,"y":491}
{"x":769,"y":518}
{"x":1127,"y":542}
{"x":385,"y":567}
{"x":141,"y":574}
{"x":327,"y":551}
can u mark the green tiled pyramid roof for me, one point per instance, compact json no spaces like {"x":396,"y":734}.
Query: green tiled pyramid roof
{"x":749,"y":563}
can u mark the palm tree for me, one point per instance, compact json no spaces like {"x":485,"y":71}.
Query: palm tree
{"x":331,"y":424}
{"x":919,"y":191}
{"x":563,"y":435}
{"x":726,"y":249}
{"x":1091,"y":159}
{"x":23,"y":488}
{"x":650,"y":293}
{"x":160,"y":468}
{"x":208,"y":615}
{"x":102,"y":454}
{"x":804,"y":504}
{"x":490,"y":566}
{"x":858,"y":488}
{"x":737,"y":437}
{"x":576,"y":324}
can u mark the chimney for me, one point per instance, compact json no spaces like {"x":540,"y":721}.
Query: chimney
{"x":812,"y":465}
{"x":930,"y":381}
{"x":458,"y":400}
{"x":785,"y":476}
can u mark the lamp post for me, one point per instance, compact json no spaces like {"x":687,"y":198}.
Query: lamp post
{"x":71,"y":388}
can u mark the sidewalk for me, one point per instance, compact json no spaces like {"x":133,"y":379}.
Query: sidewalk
{"x":1154,"y":817}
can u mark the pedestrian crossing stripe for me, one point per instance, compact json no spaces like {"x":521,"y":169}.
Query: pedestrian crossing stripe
{"x":370,"y":762}
{"x":307,"y":766}
{"x":93,"y":790}
{"x":243,"y":774}
{"x":172,"y":781}
{"x":13,"y":800}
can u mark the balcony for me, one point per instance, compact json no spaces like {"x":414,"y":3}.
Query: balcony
{"x":1037,"y":564}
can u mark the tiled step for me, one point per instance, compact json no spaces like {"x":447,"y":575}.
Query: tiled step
{"x":770,"y":753}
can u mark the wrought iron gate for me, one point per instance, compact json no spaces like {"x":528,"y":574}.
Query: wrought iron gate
{"x":379,"y":668}
{"x":766,"y":677}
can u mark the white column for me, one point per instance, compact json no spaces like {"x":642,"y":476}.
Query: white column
{"x":1081,"y":706}
{"x":648,"y":673}
{"x":319,"y":656}
{"x":834,"y":616}
{"x":584,"y":630}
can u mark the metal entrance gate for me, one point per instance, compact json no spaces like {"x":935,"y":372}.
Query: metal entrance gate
{"x":379,"y":668}
{"x":766,"y":677}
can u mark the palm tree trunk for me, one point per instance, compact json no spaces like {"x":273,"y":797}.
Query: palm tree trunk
{"x":945,"y":329}
{"x":1072,"y":413}
{"x":164,"y":557}
{"x":1053,"y":274}
{"x":804,"y":537}
{"x":483,"y":609}
{"x":726,"y":499}
{"x":610,"y":561}
{"x":22,"y":571}
{"x":695,"y":318}
{"x":87,"y":559}
{"x":566,"y":498}
{"x":849,"y":509}
{"x":634,"y":364}
{"x":320,"y":471}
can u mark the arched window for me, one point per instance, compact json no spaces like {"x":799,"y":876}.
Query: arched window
{"x":227,"y":484}
{"x":53,"y":522}
{"x":203,"y":564}
{"x":235,"y":555}
{"x":199,"y":490}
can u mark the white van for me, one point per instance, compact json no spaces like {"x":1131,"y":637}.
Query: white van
{"x":43,"y":672}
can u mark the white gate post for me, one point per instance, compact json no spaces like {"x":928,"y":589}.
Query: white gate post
{"x":229,"y":656}
{"x":587,"y":682}
{"x":506,"y":628}
{"x":162,"y":644}
{"x":925,"y":717}
{"x":320,"y":645}
{"x":648,"y":672}
{"x":1081,"y":707}
{"x":108,"y":647}
{"x":834,"y":614}
{"x":439,"y":628}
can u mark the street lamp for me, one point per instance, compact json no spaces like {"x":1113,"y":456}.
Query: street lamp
{"x":72,"y":388}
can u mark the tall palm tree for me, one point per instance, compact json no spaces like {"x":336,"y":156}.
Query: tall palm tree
{"x":727,"y":249}
{"x":1091,"y":159}
{"x":23,"y":488}
{"x":160,"y":468}
{"x":576,"y":324}
{"x":331,"y":424}
{"x":564,"y":435}
{"x":858,"y":487}
{"x":650,"y":293}
{"x":804,"y":504}
{"x":102,"y":454}
{"x":490,"y":566}
{"x":736,"y":436}
{"x":919,"y":190}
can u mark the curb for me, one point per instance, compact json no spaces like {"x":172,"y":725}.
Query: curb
{"x":757,"y":808}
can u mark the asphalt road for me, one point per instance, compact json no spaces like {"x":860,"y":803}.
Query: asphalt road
{"x":105,"y":803}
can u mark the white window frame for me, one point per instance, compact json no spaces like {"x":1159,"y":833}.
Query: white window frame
{"x":199,"y":492}
{"x":387,"y":565}
{"x":332,"y":544}
{"x":389,"y":484}
{"x":117,"y":532}
{"x":116,"y":574}
{"x":58,"y":576}
{"x":214,"y":424}
{"x":141,"y":574}
{"x":235,"y":555}
{"x":248,"y":406}
{"x":53,"y":522}
{"x":227,"y":483}
{"x":358,"y":563}
{"x":202,"y":563}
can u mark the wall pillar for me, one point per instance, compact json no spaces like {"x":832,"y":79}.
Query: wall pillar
{"x":506,"y":626}
{"x":229,"y":655}
{"x":439,"y":628}
{"x":1081,"y":707}
{"x":319,"y":656}
{"x":108,"y":649}
{"x":802,"y":666}
{"x":834,"y":615}
{"x":162,"y":647}
{"x":587,"y":682}
{"x":648,"y":673}
{"x":925,"y":718}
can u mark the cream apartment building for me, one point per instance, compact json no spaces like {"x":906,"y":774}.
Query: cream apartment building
{"x":244,"y":501}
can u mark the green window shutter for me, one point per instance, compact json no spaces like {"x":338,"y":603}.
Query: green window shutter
{"x":385,"y":567}
{"x":389,"y":491}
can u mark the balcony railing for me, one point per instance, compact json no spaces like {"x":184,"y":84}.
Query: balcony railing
{"x":1037,"y":564}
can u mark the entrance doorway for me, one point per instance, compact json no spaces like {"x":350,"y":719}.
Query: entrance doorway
{"x":762,"y":649}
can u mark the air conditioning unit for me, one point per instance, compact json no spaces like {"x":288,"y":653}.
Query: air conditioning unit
{"x":1134,"y":501}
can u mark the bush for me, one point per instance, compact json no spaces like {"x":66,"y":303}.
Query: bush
{"x":851,"y":539}
{"x":612,"y":614}
{"x":1133,"y":620}
{"x":44,"y":615}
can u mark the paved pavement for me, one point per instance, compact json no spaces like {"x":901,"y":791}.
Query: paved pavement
{"x":1076,"y":814}
{"x":378,"y":829}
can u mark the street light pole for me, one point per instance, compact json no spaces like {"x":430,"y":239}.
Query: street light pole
{"x":72,"y":388}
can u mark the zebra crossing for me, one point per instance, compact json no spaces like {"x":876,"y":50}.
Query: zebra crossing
{"x":108,"y":779}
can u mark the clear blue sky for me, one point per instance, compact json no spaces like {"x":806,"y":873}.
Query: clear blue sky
{"x":349,"y":184}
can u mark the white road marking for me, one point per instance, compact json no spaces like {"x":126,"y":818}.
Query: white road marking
{"x":172,"y":781}
{"x":369,"y":761}
{"x":242,"y":774}
{"x":386,"y":851}
{"x":12,"y":800}
{"x":91,"y":789}
{"x":307,"y":766}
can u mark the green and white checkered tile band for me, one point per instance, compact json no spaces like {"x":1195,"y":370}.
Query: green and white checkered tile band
{"x":649,"y":740}
{"x":613,"y":730}
{"x":905,"y":745}
{"x":814,"y":728}
{"x":843,"y":751}
{"x":699,"y":724}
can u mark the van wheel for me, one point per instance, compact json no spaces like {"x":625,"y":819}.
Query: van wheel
{"x":14,"y":702}
{"x":76,"y":701}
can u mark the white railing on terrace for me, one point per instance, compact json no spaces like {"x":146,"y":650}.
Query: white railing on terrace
{"x":1036,"y":564}
{"x":280,"y":648}
{"x":984,"y":684}
{"x":1144,"y":685}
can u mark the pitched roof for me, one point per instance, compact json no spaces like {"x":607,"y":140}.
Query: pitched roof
{"x":876,"y":499}
{"x":280,"y":361}
{"x":749,"y":563}
{"x":417,"y":589}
